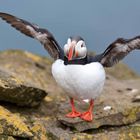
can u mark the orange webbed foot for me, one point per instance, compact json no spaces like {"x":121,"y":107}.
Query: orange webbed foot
{"x":87,"y":116}
{"x":73,"y":114}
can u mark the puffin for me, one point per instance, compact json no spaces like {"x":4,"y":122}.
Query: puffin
{"x":81,"y":75}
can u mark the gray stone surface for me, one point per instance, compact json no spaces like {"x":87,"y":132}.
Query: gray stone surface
{"x":25,"y":80}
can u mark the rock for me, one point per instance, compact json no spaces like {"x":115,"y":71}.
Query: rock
{"x":132,"y":132}
{"x":39,"y":131}
{"x":13,"y":90}
{"x":15,"y":84}
{"x":121,"y":133}
{"x":56,"y":131}
{"x":4,"y":137}
{"x":117,"y":119}
{"x":116,"y":115}
{"x":136,"y":98}
{"x":27,"y":68}
{"x":13,"y":125}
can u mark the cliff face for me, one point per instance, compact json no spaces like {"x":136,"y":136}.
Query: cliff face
{"x":33,"y":106}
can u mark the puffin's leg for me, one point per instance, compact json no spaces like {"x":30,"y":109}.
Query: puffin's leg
{"x":73,"y":113}
{"x":87,"y":116}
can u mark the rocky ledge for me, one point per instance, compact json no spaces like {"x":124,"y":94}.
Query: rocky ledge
{"x":33,"y":106}
{"x":17,"y":91}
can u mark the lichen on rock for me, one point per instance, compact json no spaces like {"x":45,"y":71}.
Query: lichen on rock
{"x":12,"y":125}
{"x":15,"y":91}
{"x":25,"y":112}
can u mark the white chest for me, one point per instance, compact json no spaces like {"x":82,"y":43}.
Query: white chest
{"x":79,"y":81}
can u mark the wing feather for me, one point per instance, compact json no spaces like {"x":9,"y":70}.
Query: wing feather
{"x":118,"y":50}
{"x":34,"y":31}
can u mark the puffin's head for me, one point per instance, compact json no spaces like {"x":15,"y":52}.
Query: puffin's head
{"x":75,"y":48}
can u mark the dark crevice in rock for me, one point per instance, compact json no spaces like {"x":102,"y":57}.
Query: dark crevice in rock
{"x":40,"y":66}
{"x":20,"y":138}
{"x":129,"y":89}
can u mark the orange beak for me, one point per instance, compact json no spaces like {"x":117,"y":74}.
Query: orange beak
{"x":70,"y":54}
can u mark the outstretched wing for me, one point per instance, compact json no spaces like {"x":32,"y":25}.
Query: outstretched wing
{"x":32,"y":30}
{"x":116,"y":51}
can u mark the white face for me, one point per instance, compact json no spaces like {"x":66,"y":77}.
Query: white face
{"x":78,"y":48}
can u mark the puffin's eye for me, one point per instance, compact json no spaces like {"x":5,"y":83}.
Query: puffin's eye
{"x":82,"y":45}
